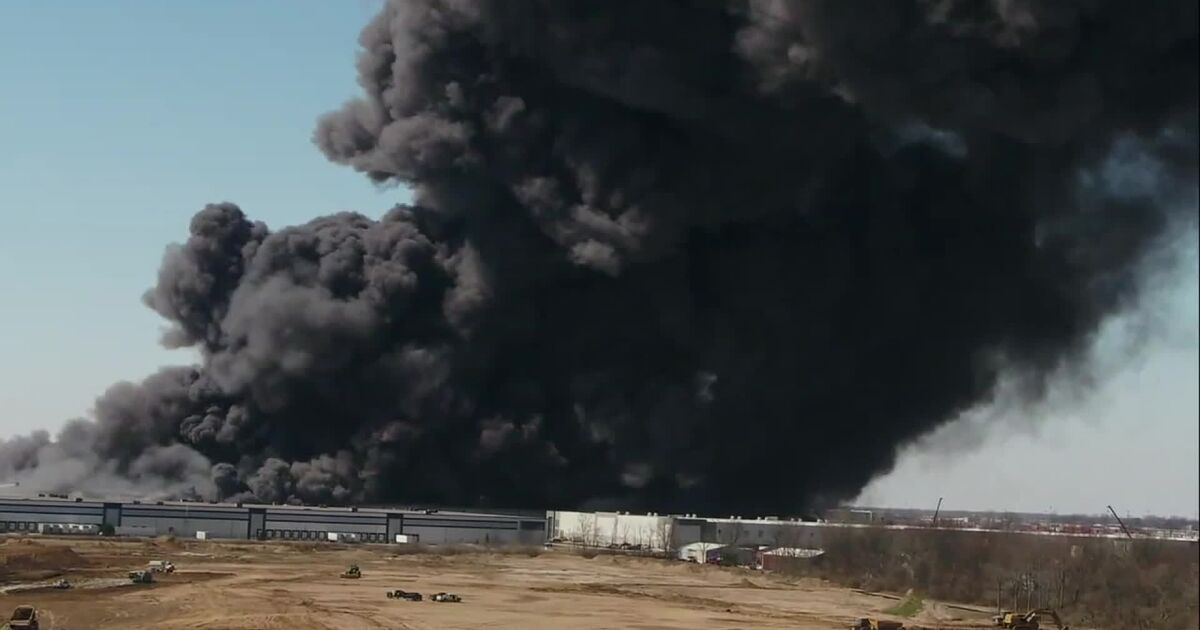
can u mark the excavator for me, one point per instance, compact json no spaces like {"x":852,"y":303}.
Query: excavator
{"x":141,"y":577}
{"x":1029,"y":621}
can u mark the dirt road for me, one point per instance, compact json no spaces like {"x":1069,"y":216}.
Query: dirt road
{"x":231,"y":586}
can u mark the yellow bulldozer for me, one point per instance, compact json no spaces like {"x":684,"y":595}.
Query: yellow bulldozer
{"x":1031,"y":620}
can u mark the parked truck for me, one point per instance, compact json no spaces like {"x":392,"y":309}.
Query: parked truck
{"x":160,"y":566}
{"x":411,"y":596}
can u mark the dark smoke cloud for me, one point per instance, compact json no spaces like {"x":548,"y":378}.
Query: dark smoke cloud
{"x":693,"y":255}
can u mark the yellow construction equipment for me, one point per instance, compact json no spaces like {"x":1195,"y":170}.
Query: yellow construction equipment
{"x":1031,"y":620}
{"x":353,"y":572}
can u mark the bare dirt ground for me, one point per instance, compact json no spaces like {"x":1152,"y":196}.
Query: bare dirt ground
{"x":243,"y":585}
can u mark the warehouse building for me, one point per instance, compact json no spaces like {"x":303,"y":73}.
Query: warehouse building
{"x":250,"y":521}
{"x":672,"y":532}
{"x":611,"y":529}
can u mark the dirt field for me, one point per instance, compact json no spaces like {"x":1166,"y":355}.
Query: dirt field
{"x":296,"y":586}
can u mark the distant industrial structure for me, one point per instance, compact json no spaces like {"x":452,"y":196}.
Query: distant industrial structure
{"x":700,"y":539}
{"x":764,"y":538}
{"x":61,"y":515}
{"x":689,"y":536}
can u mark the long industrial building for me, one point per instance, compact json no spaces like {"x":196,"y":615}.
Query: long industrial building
{"x":659,"y":532}
{"x":670,"y":532}
{"x":250,"y":521}
{"x":651,"y":532}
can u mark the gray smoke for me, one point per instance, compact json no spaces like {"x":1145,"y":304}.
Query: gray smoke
{"x":683,"y":254}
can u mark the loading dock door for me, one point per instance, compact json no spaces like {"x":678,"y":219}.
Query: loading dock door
{"x":112,"y":514}
{"x":395,"y":527}
{"x":256,"y":528}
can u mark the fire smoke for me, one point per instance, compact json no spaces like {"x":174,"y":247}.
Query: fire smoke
{"x":703,"y":255}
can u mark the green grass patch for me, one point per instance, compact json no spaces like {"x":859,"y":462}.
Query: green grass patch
{"x":909,"y":606}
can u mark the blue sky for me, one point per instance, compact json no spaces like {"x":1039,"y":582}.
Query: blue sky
{"x":120,"y":119}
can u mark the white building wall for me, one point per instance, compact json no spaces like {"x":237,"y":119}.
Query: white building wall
{"x":660,"y":533}
{"x":699,"y":552}
{"x":602,"y":529}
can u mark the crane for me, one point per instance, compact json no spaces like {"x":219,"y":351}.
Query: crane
{"x":1120,"y":522}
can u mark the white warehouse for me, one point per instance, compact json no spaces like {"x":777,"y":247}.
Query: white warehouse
{"x":656,"y":532}
{"x":611,"y":529}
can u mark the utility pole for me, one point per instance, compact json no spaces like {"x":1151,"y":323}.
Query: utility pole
{"x":936,"y":511}
{"x":1120,"y":522}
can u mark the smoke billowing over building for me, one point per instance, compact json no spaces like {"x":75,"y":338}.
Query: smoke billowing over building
{"x":684,"y":254}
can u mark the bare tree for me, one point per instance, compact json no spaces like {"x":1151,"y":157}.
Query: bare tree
{"x":643,"y":539}
{"x":588,"y":531}
{"x":663,"y":534}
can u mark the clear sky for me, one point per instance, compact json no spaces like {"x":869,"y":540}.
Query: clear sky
{"x":120,"y":119}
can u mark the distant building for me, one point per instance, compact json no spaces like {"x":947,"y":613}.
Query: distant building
{"x":701,"y":552}
{"x":782,"y":558}
{"x":621,"y":530}
{"x":57,"y":515}
{"x":850,"y":515}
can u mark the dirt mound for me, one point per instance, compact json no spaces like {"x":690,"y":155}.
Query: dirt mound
{"x":166,"y":542}
{"x":29,"y":555}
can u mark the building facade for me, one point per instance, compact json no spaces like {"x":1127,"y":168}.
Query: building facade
{"x":650,"y":532}
{"x":672,"y":532}
{"x":249,"y":521}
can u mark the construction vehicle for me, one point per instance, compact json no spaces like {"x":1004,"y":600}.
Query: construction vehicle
{"x":408,"y":595}
{"x":1028,"y":621}
{"x":61,"y":584}
{"x":353,"y":572}
{"x":446,"y":597}
{"x":877,"y":624}
{"x":24,"y":618}
{"x":141,"y":577}
{"x":160,"y":566}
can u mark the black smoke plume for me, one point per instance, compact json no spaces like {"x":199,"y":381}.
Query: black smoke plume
{"x":677,"y":254}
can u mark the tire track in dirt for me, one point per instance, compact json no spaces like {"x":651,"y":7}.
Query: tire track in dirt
{"x":605,"y":589}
